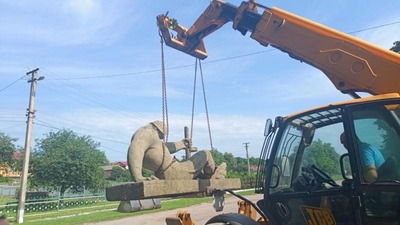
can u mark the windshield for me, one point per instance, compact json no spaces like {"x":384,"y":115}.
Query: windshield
{"x":309,"y":141}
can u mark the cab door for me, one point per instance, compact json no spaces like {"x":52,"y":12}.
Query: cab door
{"x":373,"y":131}
{"x":306,"y":184}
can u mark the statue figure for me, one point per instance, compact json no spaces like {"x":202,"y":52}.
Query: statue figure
{"x":147,"y":150}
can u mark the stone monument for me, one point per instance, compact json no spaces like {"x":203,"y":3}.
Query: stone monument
{"x":171,"y":177}
{"x":147,"y":150}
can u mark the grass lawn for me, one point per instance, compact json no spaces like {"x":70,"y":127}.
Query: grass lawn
{"x":93,"y":217}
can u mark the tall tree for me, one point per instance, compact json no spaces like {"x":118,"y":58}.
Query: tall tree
{"x":241,"y":165}
{"x":65,"y":161}
{"x":7,"y":149}
{"x":396,"y":47}
{"x":254,"y":161}
{"x":218,"y":156}
{"x":230,"y":160}
{"x":120,"y":175}
{"x":322,"y":155}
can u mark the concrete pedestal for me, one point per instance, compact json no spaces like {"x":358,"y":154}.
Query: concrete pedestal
{"x":166,"y":188}
{"x":137,"y":205}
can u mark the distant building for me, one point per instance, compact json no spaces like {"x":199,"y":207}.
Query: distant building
{"x":108,"y":168}
{"x":124,"y":165}
{"x":7,"y":171}
{"x":254,"y":168}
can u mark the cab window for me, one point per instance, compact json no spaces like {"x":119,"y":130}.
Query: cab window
{"x":284,"y":160}
{"x":377,"y":142}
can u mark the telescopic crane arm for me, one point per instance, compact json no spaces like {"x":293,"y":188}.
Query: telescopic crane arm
{"x":352,"y":65}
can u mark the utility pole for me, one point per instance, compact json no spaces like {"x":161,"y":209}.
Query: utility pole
{"x":246,"y":145}
{"x":24,"y":176}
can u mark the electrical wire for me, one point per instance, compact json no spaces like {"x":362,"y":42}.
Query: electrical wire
{"x":4,"y":88}
{"x":373,"y":28}
{"x":44,"y":124}
{"x":75,"y":88}
{"x":211,"y":61}
{"x":112,"y":105}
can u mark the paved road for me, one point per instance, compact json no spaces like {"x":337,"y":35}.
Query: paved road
{"x":199,"y":213}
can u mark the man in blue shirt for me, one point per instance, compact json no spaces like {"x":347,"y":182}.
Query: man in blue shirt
{"x":371,"y":158}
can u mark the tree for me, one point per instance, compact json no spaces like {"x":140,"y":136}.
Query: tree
{"x":7,"y":149}
{"x":322,"y":155}
{"x":396,"y":47}
{"x":65,"y":161}
{"x":218,"y":156}
{"x":120,"y":175}
{"x":230,"y":160}
{"x":241,"y":165}
{"x":254,"y":161}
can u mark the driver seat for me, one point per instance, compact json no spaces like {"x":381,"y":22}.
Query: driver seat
{"x":389,"y":170}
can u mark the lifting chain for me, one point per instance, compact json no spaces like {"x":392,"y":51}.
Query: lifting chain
{"x":164,"y":102}
{"x":205,"y":101}
{"x":164,"y":91}
{"x":164,"y":95}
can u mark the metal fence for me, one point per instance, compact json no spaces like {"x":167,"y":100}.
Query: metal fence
{"x":57,"y":206}
{"x":8,"y":191}
{"x":248,"y":182}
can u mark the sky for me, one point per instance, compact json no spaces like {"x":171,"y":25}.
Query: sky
{"x":101,"y":61}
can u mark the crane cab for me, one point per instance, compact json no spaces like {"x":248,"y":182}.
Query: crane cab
{"x":309,"y":177}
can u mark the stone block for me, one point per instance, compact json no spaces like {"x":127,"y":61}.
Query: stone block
{"x":146,"y":204}
{"x":129,"y":206}
{"x":232,"y":184}
{"x":151,"y":189}
{"x":166,"y":188}
{"x":137,"y":205}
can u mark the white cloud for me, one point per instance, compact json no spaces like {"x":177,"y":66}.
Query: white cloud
{"x":82,"y":9}
{"x":229,"y":132}
{"x":80,"y":38}
{"x":70,"y":23}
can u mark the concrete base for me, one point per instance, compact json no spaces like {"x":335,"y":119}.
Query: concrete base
{"x":137,"y":205}
{"x":166,"y":188}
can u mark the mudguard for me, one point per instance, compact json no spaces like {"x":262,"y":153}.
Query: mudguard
{"x":233,"y":219}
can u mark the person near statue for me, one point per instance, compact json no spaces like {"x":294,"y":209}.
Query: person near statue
{"x":147,"y":150}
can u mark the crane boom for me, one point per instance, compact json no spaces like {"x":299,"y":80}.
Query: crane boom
{"x":352,"y":65}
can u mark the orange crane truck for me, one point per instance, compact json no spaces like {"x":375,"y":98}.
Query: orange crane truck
{"x":334,"y":164}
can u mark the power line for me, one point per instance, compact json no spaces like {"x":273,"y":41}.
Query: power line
{"x":208,"y":62}
{"x":11,"y":118}
{"x":44,"y":124}
{"x":100,"y":99}
{"x":4,"y":88}
{"x":113,"y":150}
{"x":111,"y":105}
{"x":372,"y":28}
{"x":22,"y":123}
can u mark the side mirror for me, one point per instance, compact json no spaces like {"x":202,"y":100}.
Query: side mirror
{"x":308,"y":133}
{"x":268,"y":127}
{"x":275,"y":177}
{"x":345,"y":167}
